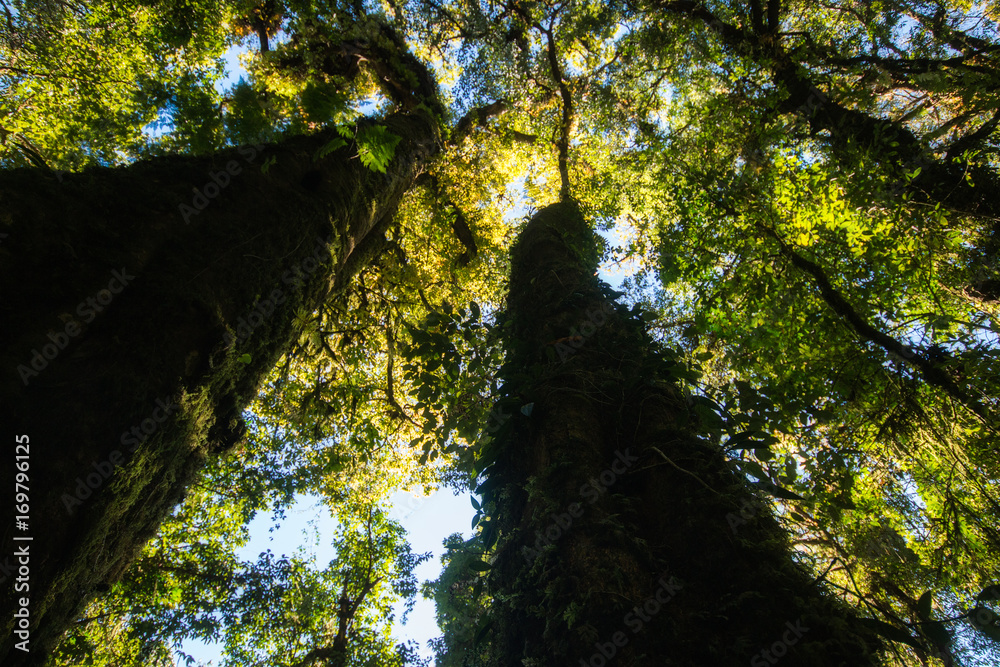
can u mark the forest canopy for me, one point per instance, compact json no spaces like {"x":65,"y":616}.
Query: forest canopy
{"x":803,"y":198}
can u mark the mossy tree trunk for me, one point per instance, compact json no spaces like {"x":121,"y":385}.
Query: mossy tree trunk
{"x":141,"y":309}
{"x":623,"y":537}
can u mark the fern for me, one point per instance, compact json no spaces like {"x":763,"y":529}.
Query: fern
{"x":376,"y":146}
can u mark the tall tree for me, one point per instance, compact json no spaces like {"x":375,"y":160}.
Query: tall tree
{"x":838,"y":302}
{"x":170,"y":288}
{"x":613,"y":521}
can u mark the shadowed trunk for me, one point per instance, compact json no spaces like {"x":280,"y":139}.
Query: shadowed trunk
{"x":141,"y":309}
{"x":623,"y":537}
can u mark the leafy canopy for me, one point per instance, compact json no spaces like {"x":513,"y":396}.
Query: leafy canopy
{"x":803,"y":194}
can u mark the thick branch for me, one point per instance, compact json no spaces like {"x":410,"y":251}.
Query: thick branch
{"x":931,"y":372}
{"x":971,"y":141}
{"x":908,"y":66}
{"x":330,"y":655}
{"x":756,"y":16}
{"x":480,"y":118}
{"x":378,"y":47}
{"x":390,"y":391}
{"x":956,"y":39}
{"x":970,"y":189}
{"x":476,"y":118}
{"x":773,"y":15}
{"x":890,"y":142}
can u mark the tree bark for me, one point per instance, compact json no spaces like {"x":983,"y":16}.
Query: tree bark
{"x":623,"y":535}
{"x":153,"y":300}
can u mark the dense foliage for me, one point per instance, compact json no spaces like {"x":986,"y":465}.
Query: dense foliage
{"x":804,"y":198}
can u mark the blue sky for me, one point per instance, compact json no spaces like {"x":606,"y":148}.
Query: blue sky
{"x":308,"y":524}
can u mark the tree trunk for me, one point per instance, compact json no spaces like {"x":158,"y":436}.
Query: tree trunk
{"x":623,"y":536}
{"x":142,"y":308}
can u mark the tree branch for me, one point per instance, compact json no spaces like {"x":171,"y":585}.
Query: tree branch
{"x":390,"y":391}
{"x":476,"y":118}
{"x":459,"y":223}
{"x":566,"y":126}
{"x":971,"y":141}
{"x":931,"y":372}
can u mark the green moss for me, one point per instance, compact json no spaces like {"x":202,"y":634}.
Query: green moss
{"x":168,"y":334}
{"x":665,"y":515}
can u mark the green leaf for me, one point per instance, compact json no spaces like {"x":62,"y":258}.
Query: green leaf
{"x":487,"y":485}
{"x":328,"y":148}
{"x":924,"y":606}
{"x":744,"y":440}
{"x":753,"y":468}
{"x":481,"y":633}
{"x":376,"y":146}
{"x":778,"y":492}
{"x":480,"y":566}
{"x":320,"y":101}
{"x":763,"y":453}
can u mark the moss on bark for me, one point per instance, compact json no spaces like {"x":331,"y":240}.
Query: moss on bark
{"x":177,"y":344}
{"x":625,"y":537}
